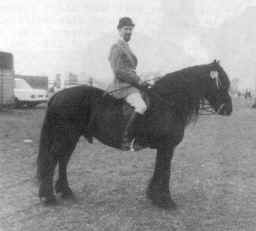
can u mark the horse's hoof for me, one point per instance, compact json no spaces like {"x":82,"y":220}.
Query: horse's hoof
{"x":48,"y":200}
{"x":70,"y":197}
{"x":163,"y":201}
{"x":67,"y":194}
{"x":168,"y":204}
{"x":64,"y":191}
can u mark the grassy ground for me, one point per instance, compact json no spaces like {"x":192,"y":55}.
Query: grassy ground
{"x":213,"y":179}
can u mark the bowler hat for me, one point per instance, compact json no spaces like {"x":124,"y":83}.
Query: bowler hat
{"x":125,"y":21}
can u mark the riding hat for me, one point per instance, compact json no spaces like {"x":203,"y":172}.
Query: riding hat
{"x":125,"y":21}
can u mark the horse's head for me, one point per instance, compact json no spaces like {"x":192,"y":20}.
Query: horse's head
{"x":218,"y":85}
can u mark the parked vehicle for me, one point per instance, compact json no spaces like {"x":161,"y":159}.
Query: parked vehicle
{"x":25,"y":95}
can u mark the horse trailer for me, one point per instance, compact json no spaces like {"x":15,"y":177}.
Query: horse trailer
{"x":6,"y":79}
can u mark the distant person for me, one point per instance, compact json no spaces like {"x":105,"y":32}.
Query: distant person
{"x":56,"y":85}
{"x":254,"y":104}
{"x":123,"y":63}
{"x":248,"y":94}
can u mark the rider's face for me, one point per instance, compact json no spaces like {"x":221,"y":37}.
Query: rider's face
{"x":126,"y":32}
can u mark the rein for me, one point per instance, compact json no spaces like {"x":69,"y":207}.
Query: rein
{"x":118,"y":89}
{"x":146,"y":90}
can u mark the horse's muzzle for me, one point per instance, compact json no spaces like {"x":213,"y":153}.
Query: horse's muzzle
{"x":225,"y":109}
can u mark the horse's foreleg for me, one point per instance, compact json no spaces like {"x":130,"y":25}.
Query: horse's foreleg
{"x":158,"y":189}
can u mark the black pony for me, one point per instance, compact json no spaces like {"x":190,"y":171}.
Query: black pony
{"x":89,"y":112}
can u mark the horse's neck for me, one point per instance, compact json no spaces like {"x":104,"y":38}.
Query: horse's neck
{"x":185,"y":90}
{"x":188,"y":85}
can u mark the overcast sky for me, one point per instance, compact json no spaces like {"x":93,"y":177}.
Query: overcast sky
{"x":52,"y":36}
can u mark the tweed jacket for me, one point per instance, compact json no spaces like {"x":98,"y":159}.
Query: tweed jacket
{"x":123,"y":63}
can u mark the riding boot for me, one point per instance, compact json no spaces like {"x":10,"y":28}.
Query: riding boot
{"x":126,"y":139}
{"x":128,"y":142}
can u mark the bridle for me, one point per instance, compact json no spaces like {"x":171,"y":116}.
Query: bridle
{"x":205,"y":107}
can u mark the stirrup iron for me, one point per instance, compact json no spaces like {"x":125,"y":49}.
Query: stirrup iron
{"x":132,"y":145}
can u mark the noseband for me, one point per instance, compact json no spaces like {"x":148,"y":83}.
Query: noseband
{"x":206,"y":109}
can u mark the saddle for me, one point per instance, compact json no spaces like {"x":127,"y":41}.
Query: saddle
{"x":126,"y":111}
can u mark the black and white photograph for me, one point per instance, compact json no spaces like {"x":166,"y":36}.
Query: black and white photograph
{"x":127,"y":115}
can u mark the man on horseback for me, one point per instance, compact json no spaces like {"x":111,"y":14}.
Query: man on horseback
{"x":123,"y":63}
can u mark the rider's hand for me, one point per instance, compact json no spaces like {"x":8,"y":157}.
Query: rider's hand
{"x":145,"y":84}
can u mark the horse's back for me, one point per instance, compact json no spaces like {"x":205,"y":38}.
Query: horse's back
{"x":74,"y":95}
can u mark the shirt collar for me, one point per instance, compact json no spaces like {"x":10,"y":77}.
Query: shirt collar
{"x":123,"y":41}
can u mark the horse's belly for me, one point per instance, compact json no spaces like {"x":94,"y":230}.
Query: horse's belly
{"x":108,"y":129}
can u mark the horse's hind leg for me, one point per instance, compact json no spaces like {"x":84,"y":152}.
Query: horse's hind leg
{"x":62,"y":185}
{"x":46,"y":166}
{"x":46,"y":162}
{"x":60,"y":150}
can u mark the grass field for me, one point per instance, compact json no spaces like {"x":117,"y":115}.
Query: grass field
{"x":213,"y":179}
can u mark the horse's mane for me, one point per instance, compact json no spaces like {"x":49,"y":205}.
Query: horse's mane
{"x":184,"y":89}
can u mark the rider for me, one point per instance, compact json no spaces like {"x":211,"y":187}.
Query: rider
{"x":123,"y":63}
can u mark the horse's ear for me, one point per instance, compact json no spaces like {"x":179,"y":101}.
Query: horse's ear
{"x":216,"y":61}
